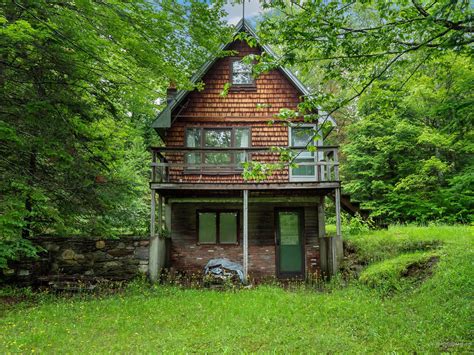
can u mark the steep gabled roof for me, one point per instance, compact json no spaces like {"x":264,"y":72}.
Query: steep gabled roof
{"x":163,"y":119}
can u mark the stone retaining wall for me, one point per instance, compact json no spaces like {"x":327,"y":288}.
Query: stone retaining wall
{"x":81,"y":258}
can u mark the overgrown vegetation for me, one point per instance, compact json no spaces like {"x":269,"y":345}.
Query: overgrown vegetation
{"x":81,"y":81}
{"x":396,"y":76}
{"x":431,"y":315}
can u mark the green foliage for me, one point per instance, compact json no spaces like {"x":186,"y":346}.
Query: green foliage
{"x":225,"y":90}
{"x":397,"y":76}
{"x":354,"y":43}
{"x":410,"y":156}
{"x":393,"y":274}
{"x":258,"y":171}
{"x":436,"y":317}
{"x":79,"y":81}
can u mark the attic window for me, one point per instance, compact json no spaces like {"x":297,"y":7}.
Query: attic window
{"x":241,"y":73}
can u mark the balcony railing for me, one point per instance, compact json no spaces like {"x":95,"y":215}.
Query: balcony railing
{"x":169,"y":163}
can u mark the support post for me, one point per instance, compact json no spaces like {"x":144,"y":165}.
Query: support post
{"x":321,"y":218}
{"x":161,"y":250}
{"x":153,"y":246}
{"x":338,"y":248}
{"x":245,"y":233}
{"x":337,"y":202}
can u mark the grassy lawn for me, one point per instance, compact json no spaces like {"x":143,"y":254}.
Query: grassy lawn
{"x":366,"y":315}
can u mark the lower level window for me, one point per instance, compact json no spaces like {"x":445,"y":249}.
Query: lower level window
{"x":219,"y":227}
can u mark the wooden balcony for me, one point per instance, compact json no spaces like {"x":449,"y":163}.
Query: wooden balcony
{"x":176,"y":169}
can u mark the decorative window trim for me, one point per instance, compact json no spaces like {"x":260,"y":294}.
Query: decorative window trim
{"x":210,"y":171}
{"x":239,"y":87}
{"x":218,"y":213}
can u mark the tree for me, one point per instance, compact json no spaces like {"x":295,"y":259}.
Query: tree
{"x":410,"y":157}
{"x":377,"y":67}
{"x":356,"y":43}
{"x":79,"y":81}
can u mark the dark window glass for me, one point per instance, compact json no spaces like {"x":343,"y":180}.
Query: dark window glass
{"x":218,"y":227}
{"x":217,"y":138}
{"x":242,"y":140}
{"x":241,"y":73}
{"x":207,"y":227}
{"x":228,"y":227}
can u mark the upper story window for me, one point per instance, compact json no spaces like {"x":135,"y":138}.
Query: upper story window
{"x":301,"y":137}
{"x":242,"y":73}
{"x":224,"y":161}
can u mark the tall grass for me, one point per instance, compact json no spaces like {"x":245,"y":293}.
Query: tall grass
{"x":434,"y":316}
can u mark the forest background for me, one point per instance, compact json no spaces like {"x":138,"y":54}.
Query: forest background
{"x":81,"y":81}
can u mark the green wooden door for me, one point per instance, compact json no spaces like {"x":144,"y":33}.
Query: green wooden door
{"x":290,"y":251}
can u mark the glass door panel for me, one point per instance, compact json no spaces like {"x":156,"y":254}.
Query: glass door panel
{"x":289,"y":236}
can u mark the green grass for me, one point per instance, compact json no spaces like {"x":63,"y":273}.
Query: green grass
{"x":394,"y":274}
{"x":431,"y":317}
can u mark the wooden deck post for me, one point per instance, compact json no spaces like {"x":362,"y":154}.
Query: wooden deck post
{"x":153,"y":246}
{"x":321,"y":218}
{"x":338,"y":248}
{"x":161,"y":252}
{"x":337,"y":202}
{"x":245,"y":233}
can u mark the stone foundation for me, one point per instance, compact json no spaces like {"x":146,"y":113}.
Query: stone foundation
{"x":81,"y":258}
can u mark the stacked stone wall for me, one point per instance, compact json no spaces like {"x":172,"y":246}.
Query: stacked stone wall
{"x":81,"y":258}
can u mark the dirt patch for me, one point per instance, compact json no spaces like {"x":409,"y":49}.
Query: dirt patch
{"x":11,"y":300}
{"x":421,"y":271}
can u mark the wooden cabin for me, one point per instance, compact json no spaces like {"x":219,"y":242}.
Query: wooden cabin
{"x":205,"y":208}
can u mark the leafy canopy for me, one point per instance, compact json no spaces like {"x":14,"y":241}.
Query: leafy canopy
{"x":79,"y":85}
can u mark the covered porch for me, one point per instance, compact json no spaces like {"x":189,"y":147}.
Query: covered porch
{"x":277,"y":232}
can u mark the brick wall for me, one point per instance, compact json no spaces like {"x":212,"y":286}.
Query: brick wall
{"x":190,"y":257}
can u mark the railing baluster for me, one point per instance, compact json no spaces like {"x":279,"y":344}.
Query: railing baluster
{"x":326,"y":162}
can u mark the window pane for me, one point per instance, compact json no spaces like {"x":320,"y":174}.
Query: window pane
{"x":193,"y":137}
{"x":193,"y":140}
{"x":300,"y":136}
{"x":193,"y":159}
{"x":304,"y":170}
{"x":290,"y":253}
{"x":228,"y":227}
{"x":289,"y":228}
{"x":217,"y":158}
{"x":217,"y":138}
{"x":207,"y":227}
{"x":242,"y":137}
{"x":241,"y":73}
{"x":242,"y":140}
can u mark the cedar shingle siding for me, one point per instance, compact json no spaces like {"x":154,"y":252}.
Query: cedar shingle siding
{"x":207,"y":108}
